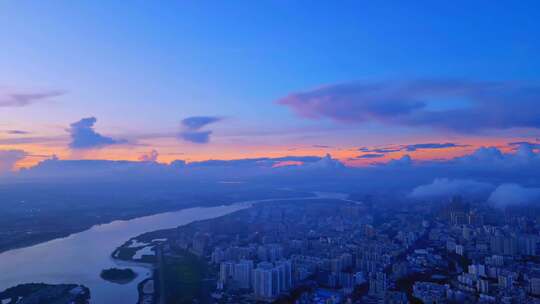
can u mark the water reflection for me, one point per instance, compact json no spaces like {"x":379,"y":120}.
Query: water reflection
{"x":80,"y":257}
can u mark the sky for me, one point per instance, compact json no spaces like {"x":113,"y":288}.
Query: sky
{"x":367,"y":82}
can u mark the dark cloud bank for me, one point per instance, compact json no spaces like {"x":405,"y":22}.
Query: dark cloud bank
{"x":382,"y":151}
{"x":457,"y":105}
{"x":487,"y":174}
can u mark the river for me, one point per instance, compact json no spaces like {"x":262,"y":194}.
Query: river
{"x":80,"y":257}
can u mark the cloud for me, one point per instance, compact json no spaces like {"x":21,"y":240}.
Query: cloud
{"x":321,"y":146}
{"x":325,"y":163}
{"x":152,"y":156}
{"x":370,"y":155}
{"x":198,"y":137}
{"x":197,"y":122}
{"x":411,"y":147}
{"x":495,"y":158}
{"x":30,"y":140}
{"x":11,"y":98}
{"x":483,"y":154}
{"x":460,"y":106}
{"x":432,"y":146}
{"x":16,"y":132}
{"x":8,"y":159}
{"x":191,"y":129}
{"x":445,"y":188}
{"x":525,"y":143}
{"x":513,"y":195}
{"x":268,"y":168}
{"x":470,"y":176}
{"x":405,"y":160}
{"x":383,"y":150}
{"x":83,"y":135}
{"x":262,"y":162}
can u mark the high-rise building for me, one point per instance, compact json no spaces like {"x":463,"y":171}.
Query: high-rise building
{"x":270,"y":280}
{"x":534,"y":286}
{"x":265,"y":281}
{"x":527,"y":244}
{"x":378,"y":284}
{"x":285,"y":275}
{"x":242,"y":274}
{"x":200,"y":242}
{"x":226,"y":271}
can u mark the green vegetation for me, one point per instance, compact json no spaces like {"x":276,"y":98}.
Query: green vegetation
{"x":125,"y":253}
{"x":184,"y":275}
{"x":121,"y":276}
{"x":46,"y":293}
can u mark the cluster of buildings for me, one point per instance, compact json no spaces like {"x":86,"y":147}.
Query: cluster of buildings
{"x":328,"y":251}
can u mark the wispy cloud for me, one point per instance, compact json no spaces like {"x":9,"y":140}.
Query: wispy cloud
{"x":16,"y":132}
{"x":370,"y":155}
{"x":380,"y":150}
{"x":411,"y":147}
{"x":322,"y":146}
{"x":429,"y":146}
{"x":18,"y":98}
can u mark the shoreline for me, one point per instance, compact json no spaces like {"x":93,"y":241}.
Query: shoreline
{"x":26,"y":244}
{"x":66,"y":234}
{"x":144,"y":240}
{"x":95,"y":246}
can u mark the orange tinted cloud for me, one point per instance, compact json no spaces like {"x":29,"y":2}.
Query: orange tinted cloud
{"x":169,"y":149}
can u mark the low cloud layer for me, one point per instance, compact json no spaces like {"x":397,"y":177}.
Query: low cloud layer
{"x":383,"y":150}
{"x":410,"y":148}
{"x":430,"y":146}
{"x":507,"y":195}
{"x":474,"y":175}
{"x":151,"y":156}
{"x":16,"y":132}
{"x":8,"y":159}
{"x":83,"y":135}
{"x":460,"y":106}
{"x":531,"y":145}
{"x":446,"y":188}
{"x":405,"y":160}
{"x":13,"y":98}
{"x":191,"y":129}
{"x":370,"y":155}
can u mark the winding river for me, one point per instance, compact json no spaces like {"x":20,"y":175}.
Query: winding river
{"x":79,"y":258}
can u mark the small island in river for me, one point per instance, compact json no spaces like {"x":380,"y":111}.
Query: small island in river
{"x":120,"y":276}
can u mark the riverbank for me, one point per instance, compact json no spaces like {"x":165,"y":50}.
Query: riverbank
{"x":81,"y":257}
{"x":46,"y":293}
{"x":179,"y":260}
{"x":17,"y":233}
